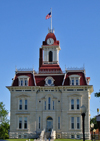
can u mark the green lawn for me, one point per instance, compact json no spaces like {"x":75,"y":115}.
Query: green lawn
{"x":19,"y":139}
{"x":55,"y":140}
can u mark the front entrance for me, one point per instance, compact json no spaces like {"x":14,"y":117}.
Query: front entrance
{"x":49,"y":124}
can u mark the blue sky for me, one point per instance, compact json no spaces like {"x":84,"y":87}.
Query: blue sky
{"x":23,"y":28}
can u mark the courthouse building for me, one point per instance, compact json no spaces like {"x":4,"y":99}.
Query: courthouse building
{"x":49,"y":101}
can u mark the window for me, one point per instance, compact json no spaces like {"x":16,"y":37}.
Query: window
{"x":25,"y":104}
{"x":25,"y":136}
{"x":20,"y":122}
{"x":72,"y":104}
{"x":78,"y":136}
{"x":78,"y":122}
{"x":49,"y":81}
{"x":19,"y":136}
{"x":49,"y":103}
{"x":39,"y":122}
{"x":45,"y":105}
{"x":26,"y":83}
{"x":50,"y":56}
{"x":58,"y":122}
{"x":25,"y":122}
{"x":72,"y":136}
{"x":72,"y":122}
{"x":74,"y":79}
{"x":78,"y":104}
{"x":53,"y":105}
{"x":23,"y":80}
{"x":20,"y":104}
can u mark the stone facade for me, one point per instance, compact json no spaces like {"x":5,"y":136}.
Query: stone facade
{"x":49,"y":100}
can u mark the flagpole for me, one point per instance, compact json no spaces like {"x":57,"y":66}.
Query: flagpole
{"x":51,"y":19}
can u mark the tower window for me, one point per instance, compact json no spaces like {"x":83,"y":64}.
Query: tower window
{"x":50,"y":56}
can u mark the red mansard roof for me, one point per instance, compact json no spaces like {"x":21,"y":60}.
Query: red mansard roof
{"x":82,"y":78}
{"x":58,"y":78}
{"x":30,"y":75}
{"x":50,"y":67}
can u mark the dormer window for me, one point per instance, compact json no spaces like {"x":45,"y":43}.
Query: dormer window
{"x":74,"y":79}
{"x":49,"y":81}
{"x":23,"y":80}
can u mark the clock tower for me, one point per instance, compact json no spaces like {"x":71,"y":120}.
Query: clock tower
{"x":49,"y":54}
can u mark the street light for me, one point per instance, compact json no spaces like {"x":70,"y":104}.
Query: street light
{"x":83,"y":111}
{"x":92,"y":126}
{"x":94,"y":130}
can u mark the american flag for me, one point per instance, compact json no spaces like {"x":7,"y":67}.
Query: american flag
{"x":48,"y":16}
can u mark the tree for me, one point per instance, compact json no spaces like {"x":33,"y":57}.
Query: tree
{"x":97,"y":94}
{"x":93,"y":120}
{"x":4,"y":127}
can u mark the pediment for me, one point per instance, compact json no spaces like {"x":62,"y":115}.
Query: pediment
{"x":23,"y":95}
{"x":49,"y":95}
{"x":74,"y":95}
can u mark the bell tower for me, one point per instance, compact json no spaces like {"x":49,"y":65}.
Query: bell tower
{"x":51,"y":49}
{"x":49,"y":53}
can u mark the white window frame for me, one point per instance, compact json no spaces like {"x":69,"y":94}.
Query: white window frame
{"x":20,"y":104}
{"x":72,"y":104}
{"x":25,"y":122}
{"x":47,"y":79}
{"x":26,"y":104}
{"x":23,"y":78}
{"x":49,"y":103}
{"x":77,"y":104}
{"x":72,"y":122}
{"x":45,"y":105}
{"x":19,"y":123}
{"x":39,"y":122}
{"x":78,"y":122}
{"x":59,"y":122}
{"x":53,"y":103}
{"x":74,"y":78}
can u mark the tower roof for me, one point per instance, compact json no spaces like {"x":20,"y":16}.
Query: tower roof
{"x":51,"y":35}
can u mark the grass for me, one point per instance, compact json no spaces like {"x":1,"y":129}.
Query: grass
{"x":55,"y":140}
{"x":19,"y":139}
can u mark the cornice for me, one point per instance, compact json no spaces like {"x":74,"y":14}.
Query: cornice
{"x":69,"y":89}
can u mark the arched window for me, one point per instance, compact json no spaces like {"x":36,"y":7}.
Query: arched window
{"x":50,"y":56}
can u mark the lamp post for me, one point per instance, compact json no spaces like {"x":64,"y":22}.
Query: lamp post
{"x":92,"y":126}
{"x":94,"y":130}
{"x":83,"y":111}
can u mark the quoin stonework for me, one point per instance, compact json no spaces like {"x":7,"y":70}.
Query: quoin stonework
{"x":47,"y":103}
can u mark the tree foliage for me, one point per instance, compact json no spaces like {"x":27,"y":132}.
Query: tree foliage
{"x":97,"y":94}
{"x":93,"y":120}
{"x":4,"y":126}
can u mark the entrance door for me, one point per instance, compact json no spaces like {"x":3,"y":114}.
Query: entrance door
{"x":49,"y":124}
